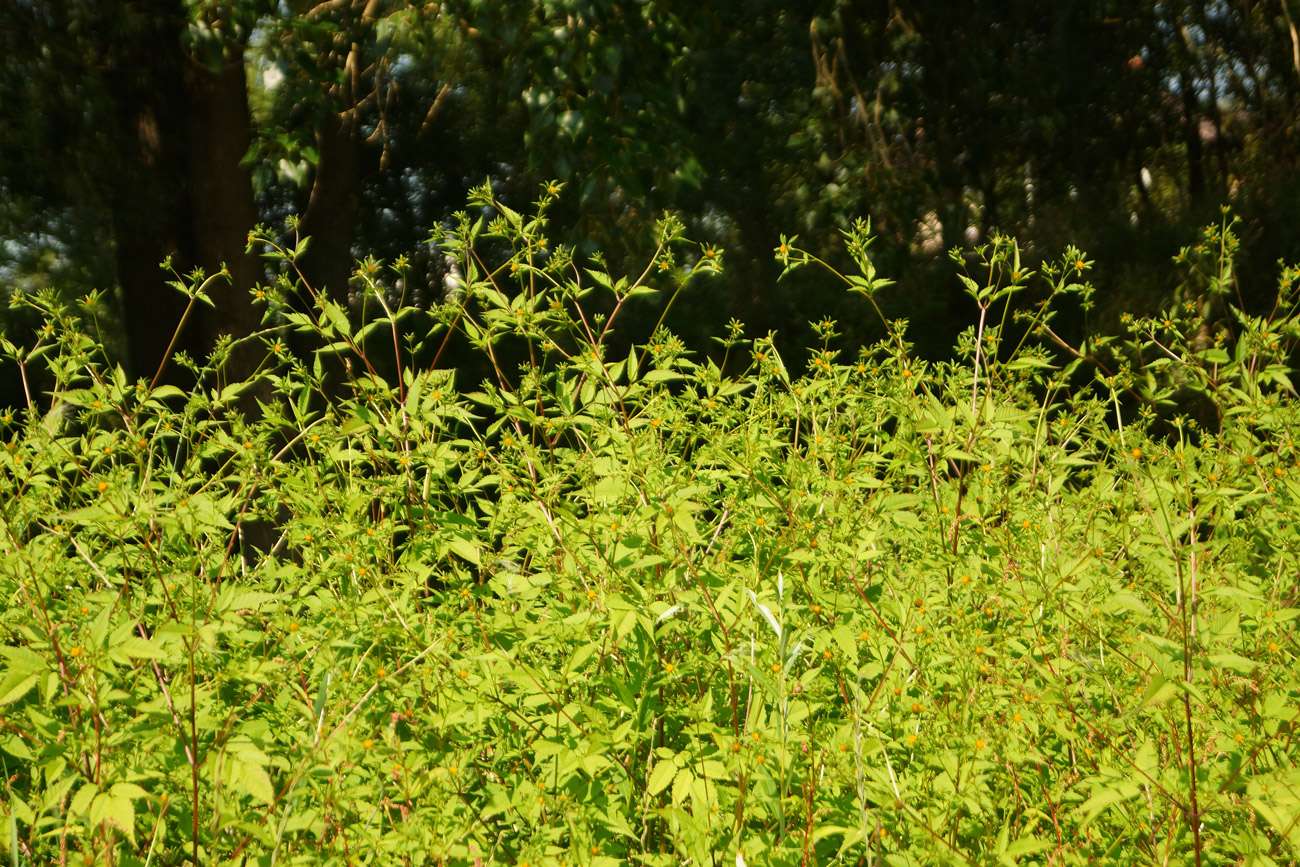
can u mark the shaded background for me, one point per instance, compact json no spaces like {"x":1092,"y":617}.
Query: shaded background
{"x":135,"y":131}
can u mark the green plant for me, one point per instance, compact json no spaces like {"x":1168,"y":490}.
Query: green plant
{"x":619,"y":608}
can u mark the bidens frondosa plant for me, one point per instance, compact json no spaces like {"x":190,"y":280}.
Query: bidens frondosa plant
{"x":605,"y":606}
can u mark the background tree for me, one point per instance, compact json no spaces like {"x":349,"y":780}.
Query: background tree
{"x":169,"y":127}
{"x":134,"y":121}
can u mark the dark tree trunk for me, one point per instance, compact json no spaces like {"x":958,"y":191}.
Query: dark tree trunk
{"x":146,"y":193}
{"x":180,"y":193}
{"x":222,"y":208}
{"x":332,"y":211}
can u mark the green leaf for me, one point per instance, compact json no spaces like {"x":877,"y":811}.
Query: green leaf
{"x":714,"y":770}
{"x":335,"y":318}
{"x":463,"y":547}
{"x":1104,"y":799}
{"x":81,"y":801}
{"x":581,"y":655}
{"x":1286,"y":821}
{"x":13,"y":831}
{"x":98,"y":632}
{"x":600,"y":277}
{"x":322,"y":694}
{"x":767,"y":613}
{"x":682,"y":786}
{"x":128,"y":790}
{"x":661,"y":776}
{"x":1232,"y":662}
{"x":1159,"y":691}
{"x":15,"y":685}
{"x":1194,"y":691}
{"x":235,"y":598}
{"x":135,"y":647}
{"x":254,"y":780}
{"x":1022,"y":847}
{"x":116,"y":810}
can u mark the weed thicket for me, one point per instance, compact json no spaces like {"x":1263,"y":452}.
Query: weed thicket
{"x":1036,"y":605}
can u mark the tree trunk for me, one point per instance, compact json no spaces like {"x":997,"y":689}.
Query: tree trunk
{"x":332,"y":211}
{"x":145,"y":191}
{"x":221,"y":204}
{"x":180,"y":192}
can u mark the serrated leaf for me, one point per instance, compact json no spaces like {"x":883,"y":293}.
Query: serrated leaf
{"x":1233,"y":662}
{"x":23,"y":659}
{"x":1023,"y":846}
{"x":15,"y":685}
{"x":1194,"y":691}
{"x":661,"y":776}
{"x":98,"y":631}
{"x":81,"y":801}
{"x":1131,"y":601}
{"x":254,"y":780}
{"x":128,"y":790}
{"x":600,"y":277}
{"x":714,"y":770}
{"x":165,"y":392}
{"x":1285,"y":822}
{"x":682,"y":786}
{"x":463,"y":548}
{"x":581,"y":655}
{"x":237,"y":600}
{"x":1158,"y":691}
{"x":136,"y":647}
{"x":117,"y":811}
{"x":667,"y":614}
{"x":21,"y":811}
{"x":846,"y":640}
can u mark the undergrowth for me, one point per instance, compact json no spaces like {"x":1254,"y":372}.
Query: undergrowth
{"x":1036,"y":605}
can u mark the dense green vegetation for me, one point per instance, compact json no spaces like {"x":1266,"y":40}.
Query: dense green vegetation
{"x":1032,"y":605}
{"x":538,"y":534}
